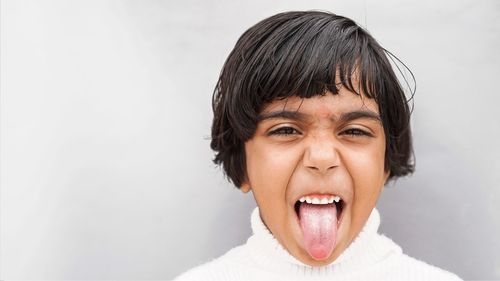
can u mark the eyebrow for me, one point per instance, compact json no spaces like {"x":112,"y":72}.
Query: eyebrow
{"x":299,"y":116}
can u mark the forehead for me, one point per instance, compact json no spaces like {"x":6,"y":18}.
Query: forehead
{"x":324,"y":106}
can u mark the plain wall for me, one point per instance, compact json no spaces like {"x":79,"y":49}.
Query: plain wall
{"x":106,"y":170}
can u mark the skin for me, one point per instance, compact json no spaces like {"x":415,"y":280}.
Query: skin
{"x":318,"y":153}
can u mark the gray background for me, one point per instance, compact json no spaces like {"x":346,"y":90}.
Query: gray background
{"x":106,"y":169}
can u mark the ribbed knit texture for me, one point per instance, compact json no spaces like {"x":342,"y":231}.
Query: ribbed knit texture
{"x":370,"y":256}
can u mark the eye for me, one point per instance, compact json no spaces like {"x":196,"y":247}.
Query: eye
{"x":355,"y":132}
{"x":284,"y":131}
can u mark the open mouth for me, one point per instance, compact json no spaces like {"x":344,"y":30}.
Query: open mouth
{"x":321,"y":200}
{"x":319,"y":218}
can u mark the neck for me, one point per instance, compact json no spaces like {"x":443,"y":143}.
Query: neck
{"x":268,"y":252}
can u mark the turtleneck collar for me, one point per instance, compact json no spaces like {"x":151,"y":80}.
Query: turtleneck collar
{"x":367,"y":248}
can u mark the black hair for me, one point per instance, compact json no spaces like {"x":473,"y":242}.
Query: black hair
{"x":304,"y":54}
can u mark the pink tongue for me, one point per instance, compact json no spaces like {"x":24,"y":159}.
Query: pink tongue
{"x":319,"y":227}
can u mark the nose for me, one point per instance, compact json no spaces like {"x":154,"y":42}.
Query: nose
{"x":321,"y":155}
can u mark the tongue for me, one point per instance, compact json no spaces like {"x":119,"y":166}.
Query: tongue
{"x":319,"y":228}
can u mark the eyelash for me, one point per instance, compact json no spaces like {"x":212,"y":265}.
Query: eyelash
{"x":287,"y":131}
{"x":355,"y":132}
{"x":284,"y":131}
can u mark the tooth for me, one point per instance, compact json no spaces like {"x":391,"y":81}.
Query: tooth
{"x":302,"y":199}
{"x":324,"y":200}
{"x":330,"y":200}
{"x":336,"y":199}
{"x":315,"y":201}
{"x":308,"y":199}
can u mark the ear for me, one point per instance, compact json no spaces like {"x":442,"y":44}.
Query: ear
{"x":245,"y":187}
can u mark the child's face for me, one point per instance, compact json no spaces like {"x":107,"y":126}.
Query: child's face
{"x":336,"y":147}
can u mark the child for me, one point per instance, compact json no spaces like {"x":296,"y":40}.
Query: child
{"x":309,"y":116}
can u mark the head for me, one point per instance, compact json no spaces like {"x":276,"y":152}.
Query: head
{"x":307,"y":104}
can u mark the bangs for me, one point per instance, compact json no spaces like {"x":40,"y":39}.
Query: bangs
{"x":307,"y":58}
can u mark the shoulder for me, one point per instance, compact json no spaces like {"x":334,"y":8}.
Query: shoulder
{"x":225,"y":267}
{"x":403,"y":267}
{"x":415,"y":269}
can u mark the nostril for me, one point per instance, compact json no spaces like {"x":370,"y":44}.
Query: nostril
{"x":314,"y":168}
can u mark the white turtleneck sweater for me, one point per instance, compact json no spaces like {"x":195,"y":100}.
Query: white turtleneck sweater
{"x":370,"y":256}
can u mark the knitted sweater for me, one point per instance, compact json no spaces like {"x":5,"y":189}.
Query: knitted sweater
{"x":370,"y":256}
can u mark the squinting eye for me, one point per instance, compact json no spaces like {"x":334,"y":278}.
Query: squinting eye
{"x":284,"y":131}
{"x":356,"y":133}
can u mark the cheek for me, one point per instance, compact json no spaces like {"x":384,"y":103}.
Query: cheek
{"x":367,"y":171}
{"x":269,"y":167}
